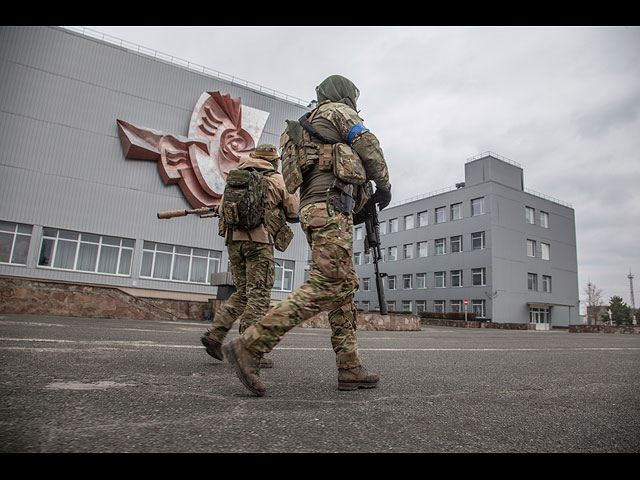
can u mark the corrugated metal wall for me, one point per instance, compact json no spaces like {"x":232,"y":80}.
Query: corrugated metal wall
{"x":61,"y":161}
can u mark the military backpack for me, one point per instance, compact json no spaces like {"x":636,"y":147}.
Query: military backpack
{"x":243,"y":200}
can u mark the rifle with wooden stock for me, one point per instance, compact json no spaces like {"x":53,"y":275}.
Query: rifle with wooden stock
{"x":204,"y":212}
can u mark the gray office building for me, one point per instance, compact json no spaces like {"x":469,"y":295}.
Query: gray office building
{"x":97,"y":137}
{"x":487,"y":245}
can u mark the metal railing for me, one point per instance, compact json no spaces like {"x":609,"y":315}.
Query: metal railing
{"x":185,"y":63}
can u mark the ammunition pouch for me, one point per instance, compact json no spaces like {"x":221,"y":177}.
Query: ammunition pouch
{"x":277,"y":227}
{"x":347,"y":165}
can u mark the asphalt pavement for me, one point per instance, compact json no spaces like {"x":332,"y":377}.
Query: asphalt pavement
{"x":118,"y":386}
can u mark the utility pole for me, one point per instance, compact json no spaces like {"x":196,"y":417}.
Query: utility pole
{"x":633,"y":302}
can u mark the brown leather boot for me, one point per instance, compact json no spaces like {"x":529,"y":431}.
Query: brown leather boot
{"x":246,"y":364}
{"x":357,"y":377}
{"x":266,"y":363}
{"x":214,"y":348}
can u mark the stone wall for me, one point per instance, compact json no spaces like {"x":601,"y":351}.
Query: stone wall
{"x":39,"y":297}
{"x":476,"y":324}
{"x":604,"y":329}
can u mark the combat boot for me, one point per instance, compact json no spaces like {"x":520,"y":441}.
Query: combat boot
{"x":266,"y":363}
{"x":357,"y":377}
{"x":246,"y":364}
{"x":214,"y":347}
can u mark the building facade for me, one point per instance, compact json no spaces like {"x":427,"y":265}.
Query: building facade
{"x":487,"y":245}
{"x":97,"y":138}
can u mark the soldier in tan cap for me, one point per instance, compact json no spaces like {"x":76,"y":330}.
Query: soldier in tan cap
{"x":251,"y":251}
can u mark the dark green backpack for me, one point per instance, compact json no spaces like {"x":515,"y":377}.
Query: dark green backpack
{"x":243,"y":199}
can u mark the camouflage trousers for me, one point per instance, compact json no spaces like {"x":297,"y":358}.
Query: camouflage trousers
{"x":253,"y":273}
{"x":331,"y":285}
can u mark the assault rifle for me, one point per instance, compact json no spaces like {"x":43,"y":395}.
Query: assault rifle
{"x":204,"y":212}
{"x":372,"y":243}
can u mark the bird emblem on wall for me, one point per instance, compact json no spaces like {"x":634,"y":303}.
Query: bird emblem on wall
{"x":220,"y":131}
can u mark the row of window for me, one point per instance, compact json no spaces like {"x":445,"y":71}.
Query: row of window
{"x":476,"y":306}
{"x":532,"y":283}
{"x":102,"y":254}
{"x":421,"y":219}
{"x":532,"y":249}
{"x":420,"y":249}
{"x":478,"y":279}
{"x":530,"y":217}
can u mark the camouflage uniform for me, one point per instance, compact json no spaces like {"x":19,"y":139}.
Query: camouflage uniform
{"x":333,"y":281}
{"x":251,"y":257}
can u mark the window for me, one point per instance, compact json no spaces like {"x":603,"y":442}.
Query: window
{"x":531,"y":248}
{"x":441,"y":214}
{"x":357,"y":233}
{"x":440,"y":280}
{"x":438,"y":306}
{"x":365,"y":305}
{"x":477,"y":241}
{"x":478,"y":276}
{"x":546,"y":283}
{"x":183,"y":264}
{"x":421,"y":280}
{"x":393,"y":225}
{"x":421,"y":306}
{"x":407,"y":281}
{"x":545,"y":250}
{"x":532,"y":282}
{"x":391,"y":306}
{"x":530,"y":215}
{"x":408,"y":250}
{"x":382,"y":228}
{"x":456,"y":211}
{"x":85,"y":252}
{"x":456,"y":278}
{"x":356,"y":258}
{"x":456,"y":305}
{"x":544,"y":219}
{"x":441,"y":248}
{"x":391,"y":282}
{"x":478,"y":307}
{"x":406,"y":306}
{"x":284,"y":275}
{"x":366,"y":284}
{"x":422,"y":249}
{"x":456,"y":244}
{"x":367,"y":258}
{"x":423,"y":219}
{"x":393,"y":254}
{"x":408,"y":222}
{"x":477,"y":206}
{"x":14,"y":242}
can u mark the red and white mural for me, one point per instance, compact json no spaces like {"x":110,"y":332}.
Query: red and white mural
{"x":220,"y":131}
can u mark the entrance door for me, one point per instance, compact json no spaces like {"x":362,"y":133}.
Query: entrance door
{"x":540,"y":316}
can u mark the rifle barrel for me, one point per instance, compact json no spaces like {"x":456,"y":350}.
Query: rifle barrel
{"x":208,"y":211}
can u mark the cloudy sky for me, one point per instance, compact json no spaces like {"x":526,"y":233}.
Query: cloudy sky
{"x":563,"y":102}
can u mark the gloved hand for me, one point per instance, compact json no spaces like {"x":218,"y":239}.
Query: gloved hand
{"x":382,"y":198}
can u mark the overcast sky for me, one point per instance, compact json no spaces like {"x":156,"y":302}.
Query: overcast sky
{"x":563,"y":102}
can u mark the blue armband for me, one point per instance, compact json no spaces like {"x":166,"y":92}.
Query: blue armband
{"x":356,"y":130}
{"x":293,"y":220}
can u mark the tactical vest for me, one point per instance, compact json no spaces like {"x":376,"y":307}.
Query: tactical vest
{"x":301,"y":147}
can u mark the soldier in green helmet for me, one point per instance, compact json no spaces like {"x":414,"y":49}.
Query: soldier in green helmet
{"x":251,"y":251}
{"x":329,"y":155}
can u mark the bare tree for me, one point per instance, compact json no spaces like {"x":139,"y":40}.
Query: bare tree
{"x":594,"y":302}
